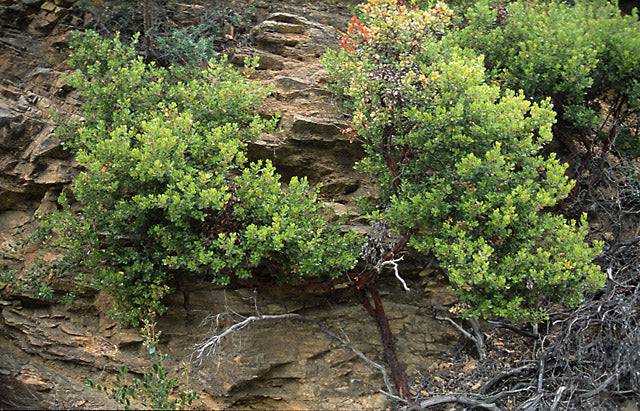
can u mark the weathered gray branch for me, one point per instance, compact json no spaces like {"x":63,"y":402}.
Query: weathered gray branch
{"x":505,"y":374}
{"x":211,"y":345}
{"x":459,"y":398}
{"x":455,"y":324}
{"x":556,"y":399}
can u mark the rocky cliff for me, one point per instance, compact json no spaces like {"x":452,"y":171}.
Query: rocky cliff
{"x":47,"y":350}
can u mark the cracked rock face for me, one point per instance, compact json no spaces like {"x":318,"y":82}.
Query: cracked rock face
{"x":48,"y":350}
{"x":290,"y":47}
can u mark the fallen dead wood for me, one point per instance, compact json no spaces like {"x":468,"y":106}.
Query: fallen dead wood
{"x":505,"y":374}
{"x":465,"y":399}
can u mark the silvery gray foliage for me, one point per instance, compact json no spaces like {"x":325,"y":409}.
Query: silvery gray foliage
{"x":380,"y":243}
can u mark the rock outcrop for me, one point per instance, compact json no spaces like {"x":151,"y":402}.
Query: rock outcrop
{"x":311,"y":144}
{"x":47,"y":350}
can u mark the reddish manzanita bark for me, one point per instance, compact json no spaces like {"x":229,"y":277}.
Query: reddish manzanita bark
{"x":377,"y":312}
{"x":363,"y":283}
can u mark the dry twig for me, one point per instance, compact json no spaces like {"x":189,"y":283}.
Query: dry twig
{"x":466,"y":399}
{"x":211,"y":345}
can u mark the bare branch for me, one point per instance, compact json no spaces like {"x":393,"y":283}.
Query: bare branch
{"x":543,"y":363}
{"x":455,"y":324}
{"x":600,"y":388}
{"x":459,"y":398}
{"x":531,"y":404}
{"x":556,"y":399}
{"x":211,"y":345}
{"x":394,"y":397}
{"x":477,"y":338}
{"x":516,"y":330}
{"x":359,"y":353}
{"x":393,"y":263}
{"x":505,"y":374}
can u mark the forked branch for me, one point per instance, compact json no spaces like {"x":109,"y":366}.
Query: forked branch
{"x":211,"y":345}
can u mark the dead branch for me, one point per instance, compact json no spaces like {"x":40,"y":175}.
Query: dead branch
{"x":505,"y":374}
{"x":479,"y":337}
{"x":543,"y":363}
{"x":516,"y":330}
{"x":556,"y":399}
{"x":533,"y":403}
{"x":466,"y":399}
{"x":457,"y":327}
{"x":476,"y":339}
{"x":601,"y":387}
{"x":393,"y":263}
{"x":211,"y":345}
{"x":393,"y":397}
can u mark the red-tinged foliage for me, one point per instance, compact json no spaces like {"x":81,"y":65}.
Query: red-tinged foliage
{"x":357,"y":33}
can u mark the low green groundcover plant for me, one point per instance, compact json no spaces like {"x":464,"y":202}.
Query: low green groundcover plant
{"x":155,"y":390}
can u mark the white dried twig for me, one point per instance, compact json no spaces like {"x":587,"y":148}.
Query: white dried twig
{"x":393,"y":263}
{"x":211,"y":345}
{"x":556,"y":399}
{"x":459,"y":398}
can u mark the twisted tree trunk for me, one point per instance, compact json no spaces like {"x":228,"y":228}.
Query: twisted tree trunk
{"x":377,"y":312}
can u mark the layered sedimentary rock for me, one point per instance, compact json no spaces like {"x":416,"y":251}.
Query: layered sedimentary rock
{"x":47,"y":350}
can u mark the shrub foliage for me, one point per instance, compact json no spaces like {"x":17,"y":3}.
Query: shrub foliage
{"x":457,"y":160}
{"x":585,"y":57}
{"x":167,"y":189}
{"x":154,"y":391}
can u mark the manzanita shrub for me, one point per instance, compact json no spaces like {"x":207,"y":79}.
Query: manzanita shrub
{"x":458,"y":165}
{"x":167,"y":189}
{"x":584,"y":55}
